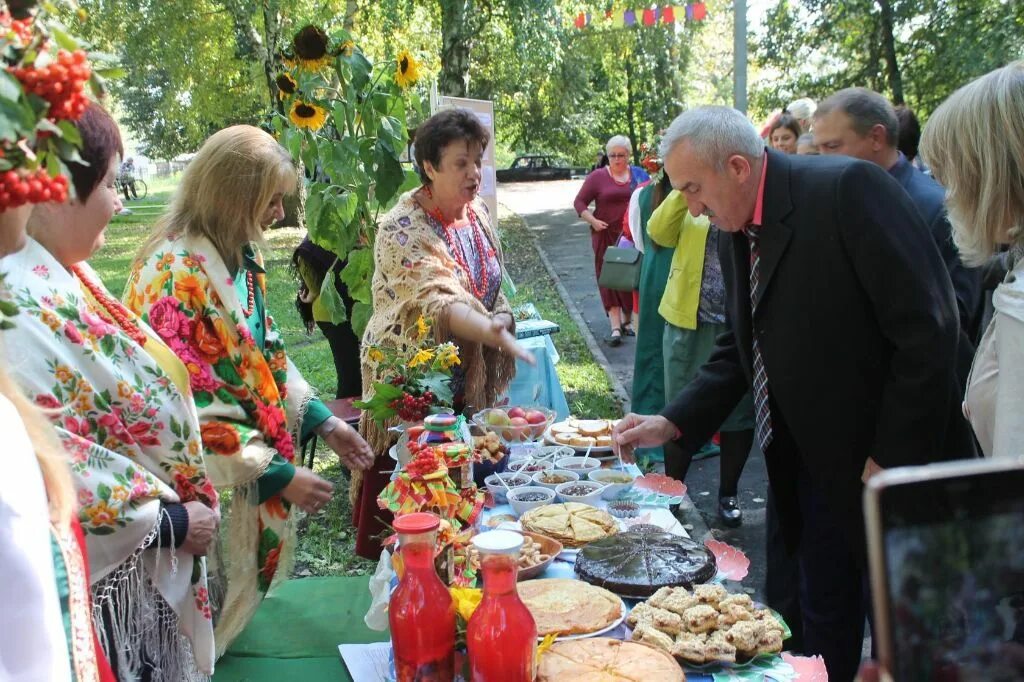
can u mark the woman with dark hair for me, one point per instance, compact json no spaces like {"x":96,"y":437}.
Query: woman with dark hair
{"x":437,"y":256}
{"x":122,"y":405}
{"x":784,"y":133}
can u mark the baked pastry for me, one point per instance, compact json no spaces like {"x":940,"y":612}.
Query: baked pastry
{"x":594,"y":427}
{"x":701,"y":618}
{"x":719,"y":649}
{"x":666,"y":621}
{"x":730,"y":614}
{"x":690,"y":647}
{"x":571,"y":523}
{"x":674,"y":599}
{"x":604,"y":441}
{"x":770,"y":642}
{"x":601,"y":659}
{"x":569,"y":607}
{"x":636,"y":564}
{"x":710,"y":594}
{"x":651,"y":635}
{"x":745,"y":636}
{"x":582,"y":441}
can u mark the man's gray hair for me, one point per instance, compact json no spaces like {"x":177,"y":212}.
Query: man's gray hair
{"x":866,"y":109}
{"x":619,"y":141}
{"x":715,"y":133}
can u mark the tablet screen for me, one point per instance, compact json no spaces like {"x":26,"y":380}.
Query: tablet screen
{"x":955,"y":566}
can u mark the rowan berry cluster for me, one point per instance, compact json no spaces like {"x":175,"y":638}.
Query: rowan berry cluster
{"x":62,"y":84}
{"x":423,"y":463}
{"x":19,"y":188}
{"x":412,"y":408}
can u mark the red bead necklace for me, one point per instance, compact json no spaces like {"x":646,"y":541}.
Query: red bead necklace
{"x":251,"y":290}
{"x":480,"y":288}
{"x":115,"y":309}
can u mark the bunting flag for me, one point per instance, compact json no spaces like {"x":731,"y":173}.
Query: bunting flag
{"x":650,"y":16}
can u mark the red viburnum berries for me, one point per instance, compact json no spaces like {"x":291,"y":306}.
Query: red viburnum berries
{"x":19,"y":188}
{"x":61,"y":83}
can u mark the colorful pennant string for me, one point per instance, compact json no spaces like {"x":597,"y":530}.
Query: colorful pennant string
{"x":650,"y":16}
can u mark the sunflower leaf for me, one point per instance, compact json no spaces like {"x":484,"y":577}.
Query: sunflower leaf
{"x":358,"y":273}
{"x":361,"y":313}
{"x":332,"y":300}
{"x":361,"y":69}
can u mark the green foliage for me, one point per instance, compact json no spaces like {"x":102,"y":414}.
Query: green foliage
{"x":815,"y":47}
{"x":346,"y":124}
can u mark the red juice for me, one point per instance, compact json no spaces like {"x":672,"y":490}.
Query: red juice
{"x":501,"y":635}
{"x":421,"y":612}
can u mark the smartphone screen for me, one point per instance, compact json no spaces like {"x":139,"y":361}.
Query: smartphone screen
{"x":954,"y":559}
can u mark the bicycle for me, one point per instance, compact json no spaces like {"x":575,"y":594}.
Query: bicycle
{"x":137,"y":188}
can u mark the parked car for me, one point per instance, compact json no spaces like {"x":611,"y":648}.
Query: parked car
{"x":538,"y":167}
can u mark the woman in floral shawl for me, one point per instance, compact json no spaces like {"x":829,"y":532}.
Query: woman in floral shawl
{"x":121,"y":402}
{"x":437,"y":256}
{"x":200,"y":283}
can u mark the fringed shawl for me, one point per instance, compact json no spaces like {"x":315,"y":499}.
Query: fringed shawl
{"x":250,"y":399}
{"x":125,"y":414}
{"x":414,"y":275}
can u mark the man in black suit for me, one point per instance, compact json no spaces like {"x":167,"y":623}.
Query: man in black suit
{"x":844,"y":325}
{"x":861,"y":123}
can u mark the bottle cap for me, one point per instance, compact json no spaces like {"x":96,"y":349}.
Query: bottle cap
{"x":498,"y":542}
{"x":418,"y":522}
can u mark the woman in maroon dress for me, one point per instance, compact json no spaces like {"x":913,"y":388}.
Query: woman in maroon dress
{"x":609,"y":189}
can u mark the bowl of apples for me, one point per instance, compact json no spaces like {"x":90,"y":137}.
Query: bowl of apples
{"x":516,"y":424}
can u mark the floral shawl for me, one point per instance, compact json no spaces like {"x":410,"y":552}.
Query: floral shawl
{"x":415,"y":275}
{"x":250,"y":401}
{"x":132,"y":433}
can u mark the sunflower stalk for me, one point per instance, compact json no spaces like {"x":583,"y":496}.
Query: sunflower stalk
{"x":346,"y":120}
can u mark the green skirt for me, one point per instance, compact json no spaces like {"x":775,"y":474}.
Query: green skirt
{"x":685,"y":350}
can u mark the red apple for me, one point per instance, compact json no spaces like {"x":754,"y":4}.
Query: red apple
{"x":519,"y":412}
{"x":535,"y":417}
{"x":518,"y":430}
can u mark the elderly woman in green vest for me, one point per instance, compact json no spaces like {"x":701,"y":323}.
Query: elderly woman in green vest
{"x":693,"y":306}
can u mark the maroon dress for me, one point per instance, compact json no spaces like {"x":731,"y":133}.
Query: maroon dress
{"x":611,"y":199}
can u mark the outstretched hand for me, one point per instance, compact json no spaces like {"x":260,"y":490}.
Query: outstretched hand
{"x":354,"y":452}
{"x":500,"y":337}
{"x":641,"y":431}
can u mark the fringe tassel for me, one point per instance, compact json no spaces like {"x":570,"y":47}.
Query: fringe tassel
{"x":236,"y":573}
{"x":143,"y":632}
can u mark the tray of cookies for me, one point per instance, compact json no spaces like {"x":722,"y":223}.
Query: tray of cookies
{"x":708,"y":626}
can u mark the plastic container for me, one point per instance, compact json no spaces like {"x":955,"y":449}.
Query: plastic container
{"x":501,"y":635}
{"x":421,"y":612}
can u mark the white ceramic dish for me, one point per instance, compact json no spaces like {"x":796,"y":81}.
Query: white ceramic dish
{"x":571,"y":475}
{"x":590,"y":498}
{"x":498,"y":490}
{"x":572,"y":464}
{"x":521,"y":507}
{"x":611,"y":490}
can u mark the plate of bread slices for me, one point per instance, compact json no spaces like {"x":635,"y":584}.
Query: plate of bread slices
{"x":581,"y":434}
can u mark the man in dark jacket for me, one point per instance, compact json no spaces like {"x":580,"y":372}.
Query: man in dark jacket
{"x":861,"y":123}
{"x":843,"y":324}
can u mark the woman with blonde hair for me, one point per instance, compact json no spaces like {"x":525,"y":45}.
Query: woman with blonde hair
{"x":200,"y":283}
{"x":974,"y":145}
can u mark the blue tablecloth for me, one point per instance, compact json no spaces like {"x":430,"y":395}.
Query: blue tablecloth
{"x":539,"y":384}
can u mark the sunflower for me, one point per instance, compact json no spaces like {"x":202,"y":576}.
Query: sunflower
{"x":286,"y":85}
{"x":408,"y":70}
{"x":345,"y":49}
{"x":310,"y":46}
{"x":307,"y":115}
{"x":421,"y":357}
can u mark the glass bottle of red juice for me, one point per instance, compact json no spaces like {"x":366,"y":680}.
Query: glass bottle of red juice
{"x":421,"y":612}
{"x":501,"y":635}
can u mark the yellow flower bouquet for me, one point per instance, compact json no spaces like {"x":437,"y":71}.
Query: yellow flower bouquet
{"x":413,"y":378}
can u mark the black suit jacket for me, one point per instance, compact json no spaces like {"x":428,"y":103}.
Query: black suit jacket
{"x":857,"y":324}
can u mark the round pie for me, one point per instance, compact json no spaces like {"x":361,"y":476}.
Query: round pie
{"x":601,"y":659}
{"x":638,"y":564}
{"x":569,"y":607}
{"x":571,"y":523}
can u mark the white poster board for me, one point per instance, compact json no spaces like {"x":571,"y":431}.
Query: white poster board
{"x":484,"y":110}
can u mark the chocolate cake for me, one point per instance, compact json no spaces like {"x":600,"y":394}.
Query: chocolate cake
{"x":638,"y":564}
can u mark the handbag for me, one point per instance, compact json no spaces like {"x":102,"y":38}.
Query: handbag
{"x":621,"y":269}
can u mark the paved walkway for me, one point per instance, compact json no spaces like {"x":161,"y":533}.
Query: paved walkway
{"x":564,"y":240}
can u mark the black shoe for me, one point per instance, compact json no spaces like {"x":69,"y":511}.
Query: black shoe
{"x":615,"y":339}
{"x":729,"y":511}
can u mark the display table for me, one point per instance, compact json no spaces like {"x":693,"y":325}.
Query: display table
{"x":537,"y":384}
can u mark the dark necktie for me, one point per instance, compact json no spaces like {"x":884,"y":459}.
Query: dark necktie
{"x":761,"y":412}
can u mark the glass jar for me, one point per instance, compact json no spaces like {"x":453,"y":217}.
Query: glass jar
{"x":439,"y":429}
{"x":458,"y":457}
{"x":421,"y":612}
{"x":501,"y":635}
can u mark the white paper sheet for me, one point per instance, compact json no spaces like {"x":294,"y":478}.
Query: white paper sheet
{"x":367,"y":662}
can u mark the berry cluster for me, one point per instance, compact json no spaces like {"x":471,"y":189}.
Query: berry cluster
{"x":423,"y":463}
{"x":412,"y":408}
{"x":62,"y":84}
{"x":21,"y":28}
{"x":17,"y":189}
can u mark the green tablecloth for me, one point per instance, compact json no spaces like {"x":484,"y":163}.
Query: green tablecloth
{"x":296,"y":632}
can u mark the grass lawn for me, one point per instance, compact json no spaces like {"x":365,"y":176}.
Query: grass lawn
{"x":326,"y":541}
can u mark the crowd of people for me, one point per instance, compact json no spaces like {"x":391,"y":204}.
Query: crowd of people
{"x":854,"y":294}
{"x":823,"y":297}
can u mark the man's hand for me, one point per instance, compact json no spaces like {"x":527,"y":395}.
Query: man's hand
{"x":641,"y":431}
{"x":308,"y":491}
{"x":202,"y":528}
{"x":870,"y":469}
{"x":354,"y":452}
